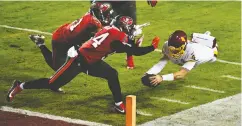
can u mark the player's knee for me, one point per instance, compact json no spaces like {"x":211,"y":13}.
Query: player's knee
{"x":112,"y":73}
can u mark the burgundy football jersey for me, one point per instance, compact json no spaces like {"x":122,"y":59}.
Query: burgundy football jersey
{"x":78,"y":31}
{"x":99,"y":47}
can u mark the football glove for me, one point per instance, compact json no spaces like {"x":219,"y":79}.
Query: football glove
{"x":155,"y":42}
{"x":152,"y":3}
{"x":146,"y":80}
{"x":72,"y":52}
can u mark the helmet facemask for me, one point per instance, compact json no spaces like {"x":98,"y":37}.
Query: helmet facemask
{"x":177,"y":44}
{"x":176,"y":52}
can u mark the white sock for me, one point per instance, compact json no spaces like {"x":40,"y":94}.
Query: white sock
{"x":21,"y":86}
{"x":119,"y":103}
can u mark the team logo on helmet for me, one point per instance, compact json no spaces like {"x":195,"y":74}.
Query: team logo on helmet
{"x":104,"y":7}
{"x":126,"y":20}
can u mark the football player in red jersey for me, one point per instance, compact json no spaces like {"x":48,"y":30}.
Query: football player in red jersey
{"x":74,"y":33}
{"x":127,"y":8}
{"x":89,"y":59}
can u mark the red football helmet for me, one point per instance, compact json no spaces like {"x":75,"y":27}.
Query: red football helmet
{"x":124,"y":23}
{"x":177,"y":43}
{"x":103,"y":12}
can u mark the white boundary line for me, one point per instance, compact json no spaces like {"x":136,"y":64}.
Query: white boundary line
{"x":143,"y":113}
{"x":48,"y":116}
{"x":47,"y":33}
{"x":170,"y":100}
{"x":25,"y":29}
{"x":203,"y":88}
{"x":222,"y":112}
{"x":231,"y":77}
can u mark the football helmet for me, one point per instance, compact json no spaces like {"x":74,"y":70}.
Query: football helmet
{"x":177,"y":44}
{"x":124,"y":24}
{"x":103,"y":12}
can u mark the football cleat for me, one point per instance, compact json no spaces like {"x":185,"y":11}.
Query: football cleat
{"x":39,"y":40}
{"x":59,"y":90}
{"x":120,"y":108}
{"x":130,"y":62}
{"x":207,"y":33}
{"x":15,"y":89}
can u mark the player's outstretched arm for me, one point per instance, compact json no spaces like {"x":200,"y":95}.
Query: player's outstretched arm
{"x":120,"y":47}
{"x":155,"y":80}
{"x":158,"y":66}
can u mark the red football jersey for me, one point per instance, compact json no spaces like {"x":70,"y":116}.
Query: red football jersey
{"x":78,"y":31}
{"x":99,"y":47}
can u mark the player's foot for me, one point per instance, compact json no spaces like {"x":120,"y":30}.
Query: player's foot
{"x":130,"y":62}
{"x":207,"y":33}
{"x":120,"y":108}
{"x":15,"y":89}
{"x":39,"y":40}
{"x":59,"y":90}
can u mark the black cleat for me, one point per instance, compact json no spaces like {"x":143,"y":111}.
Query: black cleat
{"x":120,"y":108}
{"x":15,"y":89}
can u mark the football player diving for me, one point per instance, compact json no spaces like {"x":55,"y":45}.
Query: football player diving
{"x":89,"y":59}
{"x":75,"y":33}
{"x":128,"y":8}
{"x":188,"y":54}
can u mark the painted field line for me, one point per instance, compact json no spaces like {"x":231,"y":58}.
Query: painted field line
{"x":223,"y":61}
{"x":170,"y":100}
{"x":222,"y":112}
{"x":143,"y":113}
{"x":203,"y":88}
{"x":47,"y":33}
{"x":25,"y":29}
{"x":232,"y":77}
{"x":48,"y":116}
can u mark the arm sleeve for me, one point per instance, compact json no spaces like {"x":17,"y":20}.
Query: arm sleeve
{"x":189,"y":65}
{"x":120,"y":47}
{"x":158,"y":67}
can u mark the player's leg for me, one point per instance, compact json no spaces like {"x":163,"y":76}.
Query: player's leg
{"x":59,"y":54}
{"x":61,"y":77}
{"x":39,"y":41}
{"x":103,"y":70}
{"x":128,"y":8}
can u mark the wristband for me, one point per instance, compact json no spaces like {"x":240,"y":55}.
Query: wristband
{"x":168,"y":77}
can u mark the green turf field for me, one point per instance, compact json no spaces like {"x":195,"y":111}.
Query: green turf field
{"x":89,"y":98}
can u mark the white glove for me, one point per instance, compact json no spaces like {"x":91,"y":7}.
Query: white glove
{"x":72,"y":52}
{"x":137,"y":32}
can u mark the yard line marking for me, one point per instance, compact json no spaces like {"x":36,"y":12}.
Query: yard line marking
{"x":203,"y":88}
{"x":140,"y":112}
{"x":222,"y":112}
{"x":48,"y":33}
{"x":223,"y":61}
{"x":25,"y":29}
{"x":170,"y":100}
{"x":232,"y":77}
{"x":52,"y":117}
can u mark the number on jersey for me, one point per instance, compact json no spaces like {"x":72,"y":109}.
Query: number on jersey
{"x":99,"y":39}
{"x":74,"y":24}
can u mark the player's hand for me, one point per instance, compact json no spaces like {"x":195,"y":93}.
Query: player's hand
{"x":155,"y":42}
{"x":152,"y":3}
{"x":72,"y":52}
{"x":155,"y":80}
